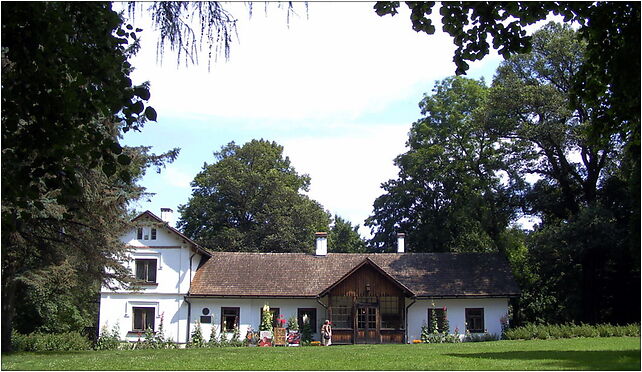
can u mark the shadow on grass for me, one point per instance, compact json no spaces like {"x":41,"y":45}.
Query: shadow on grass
{"x":587,"y":360}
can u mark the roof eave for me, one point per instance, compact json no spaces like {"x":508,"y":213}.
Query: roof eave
{"x":195,"y":246}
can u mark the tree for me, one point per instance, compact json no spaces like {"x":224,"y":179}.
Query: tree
{"x":585,"y":233}
{"x":464,"y":178}
{"x":344,"y":238}
{"x":608,"y":80}
{"x":250,"y":200}
{"x":449,"y":195}
{"x":66,"y":181}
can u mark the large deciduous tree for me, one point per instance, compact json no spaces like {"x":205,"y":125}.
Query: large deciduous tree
{"x":468,"y":162}
{"x":449,"y":195}
{"x":345,"y":238}
{"x":66,"y":180}
{"x":250,"y":200}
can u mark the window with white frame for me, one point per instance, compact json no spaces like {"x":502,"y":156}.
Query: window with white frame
{"x":144,"y":318}
{"x":146,"y":270}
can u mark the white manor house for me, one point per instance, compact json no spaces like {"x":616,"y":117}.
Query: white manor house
{"x":369,"y":298}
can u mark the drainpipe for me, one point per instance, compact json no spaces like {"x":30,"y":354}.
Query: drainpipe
{"x":189,"y":315}
{"x":408,"y":307}
{"x":189,"y":304}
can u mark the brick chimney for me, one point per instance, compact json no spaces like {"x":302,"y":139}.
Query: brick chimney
{"x":400,"y":242}
{"x":322,"y":243}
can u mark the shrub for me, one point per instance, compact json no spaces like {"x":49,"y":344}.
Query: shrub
{"x":68,"y":341}
{"x":481,"y":337}
{"x":632,"y":330}
{"x":293,"y":323}
{"x":196,"y":338}
{"x":108,"y":340}
{"x":532,"y":331}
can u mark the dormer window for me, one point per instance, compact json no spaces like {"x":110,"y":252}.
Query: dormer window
{"x":146,"y":270}
{"x":153,"y":234}
{"x":139,"y":233}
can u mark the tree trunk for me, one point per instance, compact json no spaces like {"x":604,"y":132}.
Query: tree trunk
{"x":8,"y":311}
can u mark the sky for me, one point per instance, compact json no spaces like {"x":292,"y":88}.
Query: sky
{"x":338,"y":87}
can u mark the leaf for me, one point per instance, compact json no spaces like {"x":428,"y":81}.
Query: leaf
{"x":150,"y":113}
{"x":142,"y":93}
{"x":137,"y":107}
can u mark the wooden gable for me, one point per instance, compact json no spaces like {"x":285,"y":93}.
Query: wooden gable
{"x":366,"y":280}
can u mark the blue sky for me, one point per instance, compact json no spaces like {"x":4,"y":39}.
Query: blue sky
{"x":339,"y":89}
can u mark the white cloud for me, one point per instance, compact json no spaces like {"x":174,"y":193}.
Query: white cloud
{"x":347,"y":171}
{"x":174,"y":176}
{"x":344,"y":60}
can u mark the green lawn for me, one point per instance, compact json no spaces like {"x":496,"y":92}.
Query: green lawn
{"x":617,"y":353}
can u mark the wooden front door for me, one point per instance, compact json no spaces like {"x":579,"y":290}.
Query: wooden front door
{"x":367,"y":331}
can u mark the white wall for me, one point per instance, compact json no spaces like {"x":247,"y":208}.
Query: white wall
{"x":116,"y":308}
{"x":173,"y":280}
{"x":494,"y":309}
{"x":250,"y":312}
{"x":173,"y":260}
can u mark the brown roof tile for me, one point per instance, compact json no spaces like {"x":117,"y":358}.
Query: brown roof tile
{"x":305,"y":275}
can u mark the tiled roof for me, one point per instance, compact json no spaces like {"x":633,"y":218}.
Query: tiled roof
{"x":306,"y":275}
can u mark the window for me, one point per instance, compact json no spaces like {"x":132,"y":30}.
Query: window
{"x":139,"y":233}
{"x":230,"y":318}
{"x":390,"y":312}
{"x":475,"y":320}
{"x":440,"y":316}
{"x":275,"y":315}
{"x":311,"y":316}
{"x":146,"y":270}
{"x":342,"y":312}
{"x":143,"y":318}
{"x":153,"y":234}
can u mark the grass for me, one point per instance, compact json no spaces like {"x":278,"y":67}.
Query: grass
{"x":613,"y":353}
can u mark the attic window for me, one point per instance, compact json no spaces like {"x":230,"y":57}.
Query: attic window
{"x":139,"y":233}
{"x":153,"y":234}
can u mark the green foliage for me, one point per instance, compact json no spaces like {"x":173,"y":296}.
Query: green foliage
{"x":468,"y":176}
{"x":344,"y":238}
{"x":68,"y":341}
{"x":306,"y":333}
{"x":157,"y":340}
{"x":481,"y":337}
{"x":266,"y":319}
{"x":108,"y":340}
{"x":555,"y":331}
{"x":67,"y":182}
{"x":293,"y":323}
{"x":449,"y":195}
{"x":250,"y":200}
{"x":196,"y":339}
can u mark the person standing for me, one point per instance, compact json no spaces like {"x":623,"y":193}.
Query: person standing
{"x":326,"y":333}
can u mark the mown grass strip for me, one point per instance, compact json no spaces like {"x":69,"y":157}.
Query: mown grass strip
{"x":616,"y":353}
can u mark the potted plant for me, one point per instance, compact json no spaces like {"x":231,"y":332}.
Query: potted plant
{"x":294,"y":337}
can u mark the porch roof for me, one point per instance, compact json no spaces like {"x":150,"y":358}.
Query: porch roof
{"x":304,"y":275}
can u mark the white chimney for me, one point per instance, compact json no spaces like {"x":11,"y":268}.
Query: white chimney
{"x":322,"y":243}
{"x":166,"y":215}
{"x":400,"y":242}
